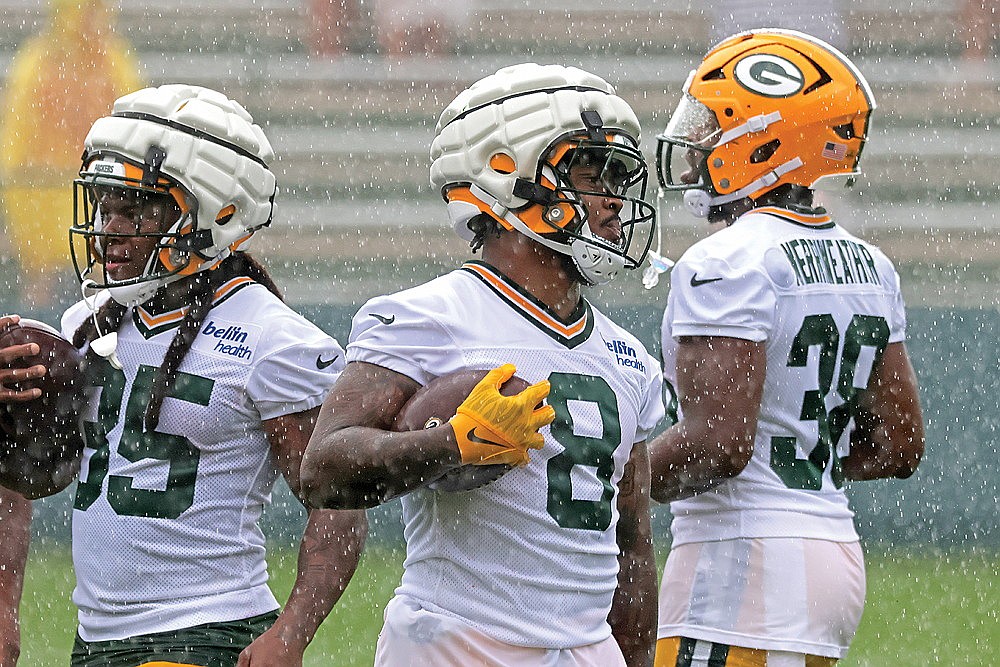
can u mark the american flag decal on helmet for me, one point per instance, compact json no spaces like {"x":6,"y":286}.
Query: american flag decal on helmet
{"x":834,"y":151}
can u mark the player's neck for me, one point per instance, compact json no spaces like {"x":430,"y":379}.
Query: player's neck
{"x":175,"y":295}
{"x":537,"y":269}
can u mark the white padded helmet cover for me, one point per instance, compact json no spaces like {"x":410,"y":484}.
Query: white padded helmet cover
{"x":215,"y":174}
{"x":521,"y":111}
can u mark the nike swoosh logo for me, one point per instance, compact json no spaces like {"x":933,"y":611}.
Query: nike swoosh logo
{"x":696,"y":282}
{"x":472,"y":437}
{"x":322,"y":363}
{"x":383,"y":319}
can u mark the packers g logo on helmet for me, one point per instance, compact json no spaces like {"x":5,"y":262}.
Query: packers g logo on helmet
{"x":769,"y":75}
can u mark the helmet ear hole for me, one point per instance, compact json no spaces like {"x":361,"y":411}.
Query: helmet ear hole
{"x":764,"y":152}
{"x":845,"y":131}
{"x":503,"y":163}
{"x":225,"y":215}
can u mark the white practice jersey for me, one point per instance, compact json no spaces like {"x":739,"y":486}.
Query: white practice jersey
{"x":165,"y":529}
{"x":530,"y":559}
{"x":825,"y":304}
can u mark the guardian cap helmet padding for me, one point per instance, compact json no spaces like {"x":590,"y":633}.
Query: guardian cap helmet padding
{"x":193,"y":144}
{"x":504,"y":148}
{"x":765,"y":108}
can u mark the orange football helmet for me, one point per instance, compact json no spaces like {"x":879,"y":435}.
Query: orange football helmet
{"x":765,"y":108}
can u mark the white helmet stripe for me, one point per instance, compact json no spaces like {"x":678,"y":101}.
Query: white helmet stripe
{"x":754,"y":124}
{"x":769,"y":178}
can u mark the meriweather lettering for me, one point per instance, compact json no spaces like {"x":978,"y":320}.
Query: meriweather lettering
{"x":846,"y":265}
{"x":830,"y":261}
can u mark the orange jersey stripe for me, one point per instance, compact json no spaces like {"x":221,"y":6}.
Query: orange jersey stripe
{"x":797,"y":217}
{"x":153,"y":321}
{"x":527,"y":306}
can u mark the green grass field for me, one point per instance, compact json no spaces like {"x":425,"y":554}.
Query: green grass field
{"x":922,"y":609}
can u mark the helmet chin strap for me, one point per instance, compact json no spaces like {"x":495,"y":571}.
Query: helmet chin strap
{"x":511,"y":218}
{"x":136,"y":293}
{"x":586,"y":257}
{"x":104,"y":345}
{"x":698,"y":202}
{"x":140,"y":292}
{"x":597,"y":265}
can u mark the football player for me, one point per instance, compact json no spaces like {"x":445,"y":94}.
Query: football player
{"x":205,"y":387}
{"x":550,"y":564}
{"x":783,"y":339}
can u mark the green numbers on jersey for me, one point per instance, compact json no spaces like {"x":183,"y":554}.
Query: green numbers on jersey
{"x":135,"y":445}
{"x":595,"y":453}
{"x":821,"y":331}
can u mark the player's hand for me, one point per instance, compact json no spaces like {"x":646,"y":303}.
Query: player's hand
{"x":492,"y":428}
{"x":270,"y":650}
{"x":10,"y":376}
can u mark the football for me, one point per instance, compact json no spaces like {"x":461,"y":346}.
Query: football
{"x":436,"y":403}
{"x":56,"y":410}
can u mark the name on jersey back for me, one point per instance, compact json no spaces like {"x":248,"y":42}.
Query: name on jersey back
{"x":832,"y":261}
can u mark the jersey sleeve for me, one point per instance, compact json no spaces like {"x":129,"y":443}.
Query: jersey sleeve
{"x":651,"y":411}
{"x":298,"y":370}
{"x":668,"y":357}
{"x":718,"y":296}
{"x":897,"y":308}
{"x":897,"y":317}
{"x":76,"y":315}
{"x":401,"y":334}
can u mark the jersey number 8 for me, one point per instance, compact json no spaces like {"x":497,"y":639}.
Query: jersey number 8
{"x":593,"y":453}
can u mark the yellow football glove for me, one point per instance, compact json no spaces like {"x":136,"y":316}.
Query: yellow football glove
{"x":492,"y":428}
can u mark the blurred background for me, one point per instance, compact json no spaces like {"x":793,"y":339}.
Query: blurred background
{"x":348,"y":91}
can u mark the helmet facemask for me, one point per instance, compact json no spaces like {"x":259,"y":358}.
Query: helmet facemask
{"x":608,"y":168}
{"x":161,"y":211}
{"x":683,"y":152}
{"x":683,"y":148}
